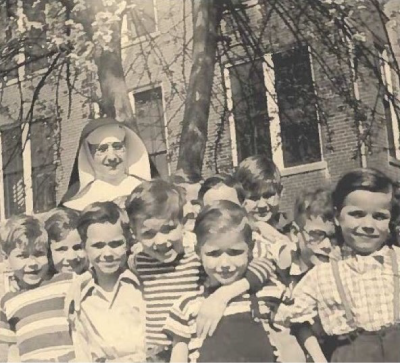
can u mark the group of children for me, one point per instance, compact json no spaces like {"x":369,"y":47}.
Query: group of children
{"x":189,"y":270}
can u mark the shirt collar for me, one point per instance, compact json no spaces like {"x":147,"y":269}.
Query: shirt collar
{"x":362,"y":263}
{"x":91,"y":286}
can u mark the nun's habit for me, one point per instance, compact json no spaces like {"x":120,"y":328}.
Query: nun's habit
{"x":87,"y":185}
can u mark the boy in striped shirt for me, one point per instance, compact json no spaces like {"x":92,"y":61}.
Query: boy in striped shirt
{"x":165,"y":258}
{"x":224,"y":244}
{"x":33,"y":317}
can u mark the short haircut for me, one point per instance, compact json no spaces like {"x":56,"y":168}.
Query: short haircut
{"x":313,"y":203}
{"x":218,"y":179}
{"x":368,"y":179}
{"x":103,"y":212}
{"x":59,"y":222}
{"x":155,"y":199}
{"x":222,"y":217}
{"x":25,"y":232}
{"x":258,"y":174}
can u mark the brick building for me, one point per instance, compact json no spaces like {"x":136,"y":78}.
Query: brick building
{"x":256,"y":105}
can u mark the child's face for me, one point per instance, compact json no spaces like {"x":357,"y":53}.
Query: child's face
{"x":225,"y":258}
{"x":316,"y":240}
{"x":161,"y":238}
{"x":30,"y":267}
{"x":68,"y":254}
{"x":262,"y":208}
{"x":220,"y":192}
{"x":364,"y":220}
{"x":106,"y":247}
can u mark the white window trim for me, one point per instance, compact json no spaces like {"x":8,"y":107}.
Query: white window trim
{"x":126,"y":40}
{"x":387,"y":82}
{"x":131,"y":95}
{"x":275,"y":125}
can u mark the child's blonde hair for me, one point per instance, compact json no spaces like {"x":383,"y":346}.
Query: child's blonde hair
{"x":25,"y":232}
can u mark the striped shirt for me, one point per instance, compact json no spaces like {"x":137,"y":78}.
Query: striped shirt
{"x":35,"y":321}
{"x":182,"y":318}
{"x":368,"y":283}
{"x":163,"y":285}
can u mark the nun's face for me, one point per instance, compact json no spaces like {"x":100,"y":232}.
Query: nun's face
{"x":109,"y":158}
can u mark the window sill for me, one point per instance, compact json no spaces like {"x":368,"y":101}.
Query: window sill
{"x":393,"y":161}
{"x":129,"y":43}
{"x":301,"y":169}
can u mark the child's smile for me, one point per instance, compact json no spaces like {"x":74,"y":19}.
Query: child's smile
{"x":364,"y":220}
{"x":225,"y":258}
{"x":263,"y":207}
{"x":161,"y":238}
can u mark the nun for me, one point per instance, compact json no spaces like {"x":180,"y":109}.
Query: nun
{"x":111,"y":161}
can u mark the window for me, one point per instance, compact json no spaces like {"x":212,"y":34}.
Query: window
{"x":28,"y":168}
{"x":148,"y":108}
{"x":274,"y":108}
{"x":43,"y":145}
{"x":35,"y":43}
{"x":386,"y":91}
{"x":250,"y":109}
{"x":13,"y":175}
{"x":142,"y":18}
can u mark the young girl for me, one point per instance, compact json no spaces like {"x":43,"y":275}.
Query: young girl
{"x":224,"y":244}
{"x":356,"y":298}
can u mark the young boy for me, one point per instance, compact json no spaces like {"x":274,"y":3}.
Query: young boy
{"x":106,"y":308}
{"x":167,"y":263}
{"x":67,"y":253}
{"x":33,"y":317}
{"x":219,"y":187}
{"x":224,"y":244}
{"x":313,"y":230}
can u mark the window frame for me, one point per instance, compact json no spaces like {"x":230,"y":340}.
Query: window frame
{"x":132,"y":100}
{"x":127,"y":41}
{"x":386,"y":77}
{"x":273,"y":112}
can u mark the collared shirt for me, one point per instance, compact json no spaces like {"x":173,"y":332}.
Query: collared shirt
{"x":35,"y":321}
{"x":369,"y":287}
{"x":108,"y":325}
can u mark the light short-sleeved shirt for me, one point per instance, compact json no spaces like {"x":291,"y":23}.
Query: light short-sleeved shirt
{"x":35,"y":321}
{"x":108,"y":325}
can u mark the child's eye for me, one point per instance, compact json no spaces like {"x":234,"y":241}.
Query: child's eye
{"x":39,"y":253}
{"x":233,"y":252}
{"x":116,"y":244}
{"x":215,"y":253}
{"x":62,"y":249}
{"x":77,"y":247}
{"x":357,"y":214}
{"x":381,"y":216}
{"x":98,"y":245}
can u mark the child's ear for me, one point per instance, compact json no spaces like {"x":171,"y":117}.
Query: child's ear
{"x":336,"y":214}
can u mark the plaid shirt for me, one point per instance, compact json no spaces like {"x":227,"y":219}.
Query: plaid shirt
{"x":369,"y":287}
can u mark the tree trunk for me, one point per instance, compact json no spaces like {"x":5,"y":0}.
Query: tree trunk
{"x":207,"y":16}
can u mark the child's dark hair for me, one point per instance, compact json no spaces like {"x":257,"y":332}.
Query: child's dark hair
{"x":313,"y":203}
{"x":368,"y":179}
{"x":221,"y":217}
{"x":155,"y":199}
{"x":103,"y":212}
{"x":25,"y":232}
{"x":258,"y":174}
{"x":180,"y":177}
{"x":59,"y":222}
{"x":217,"y":179}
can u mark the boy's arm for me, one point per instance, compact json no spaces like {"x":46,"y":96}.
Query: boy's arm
{"x":258,"y":273}
{"x":309,"y":342}
{"x":180,"y":350}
